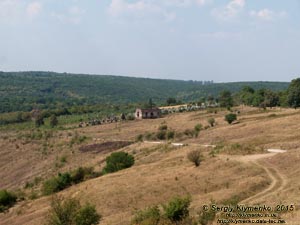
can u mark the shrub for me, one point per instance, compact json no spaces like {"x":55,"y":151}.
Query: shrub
{"x":70,"y":212}
{"x":149,"y":136}
{"x":177,"y":209}
{"x":53,"y":120}
{"x":189,"y":132}
{"x":171,"y":134}
{"x":77,"y":139}
{"x":197,"y":129}
{"x":87,"y":215}
{"x":195,"y":157}
{"x":149,"y":216}
{"x":39,"y":121}
{"x":33,"y":195}
{"x":211,"y":121}
{"x":7,"y":199}
{"x":82,"y":173}
{"x":163,"y":127}
{"x":118,"y":161}
{"x":205,"y":217}
{"x":230,"y":117}
{"x":174,"y":212}
{"x":130,"y":116}
{"x":161,"y":135}
{"x":56,"y":184}
{"x":50,"y":186}
{"x":64,"y":180}
{"x":139,"y":138}
{"x":78,"y":175}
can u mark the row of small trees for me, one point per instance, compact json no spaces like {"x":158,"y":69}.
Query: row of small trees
{"x":263,"y":97}
{"x":115,"y":162}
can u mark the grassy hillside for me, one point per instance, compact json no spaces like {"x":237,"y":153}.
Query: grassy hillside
{"x":238,"y":168}
{"x":21,"y":91}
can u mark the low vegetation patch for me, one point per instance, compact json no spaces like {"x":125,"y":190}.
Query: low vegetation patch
{"x":105,"y":147}
{"x":230,"y":118}
{"x":193,"y":132}
{"x":197,"y":129}
{"x":64,"y":180}
{"x":118,"y":161}
{"x":211,"y":122}
{"x":115,"y":162}
{"x":7,"y":199}
{"x":176,"y":211}
{"x":71,"y":212}
{"x":206,"y":216}
{"x":77,"y":139}
{"x":195,"y":157}
{"x":239,"y":149}
{"x":163,"y":133}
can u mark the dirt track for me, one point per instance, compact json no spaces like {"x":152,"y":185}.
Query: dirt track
{"x":278,"y":181}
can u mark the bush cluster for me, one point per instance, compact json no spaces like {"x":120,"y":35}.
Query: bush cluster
{"x":7,"y":199}
{"x":230,"y":118}
{"x":118,"y":161}
{"x":176,"y":211}
{"x":163,"y":133}
{"x":14,"y":117}
{"x":193,"y":132}
{"x":64,"y":180}
{"x":71,"y":212}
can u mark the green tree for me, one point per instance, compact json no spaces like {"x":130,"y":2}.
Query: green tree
{"x":258,"y":97}
{"x":230,"y":117}
{"x":246,"y":95}
{"x":271,"y":98}
{"x":177,"y":209}
{"x":210,"y":99}
{"x":283,"y":98}
{"x":39,"y":121}
{"x":53,"y":120}
{"x":150,"y":104}
{"x":225,"y":99}
{"x":171,"y":101}
{"x":293,"y":97}
{"x":118,"y":161}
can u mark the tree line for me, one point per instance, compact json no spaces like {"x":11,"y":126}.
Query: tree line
{"x":263,"y":97}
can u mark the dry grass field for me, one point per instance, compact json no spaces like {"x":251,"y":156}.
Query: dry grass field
{"x":239,"y":165}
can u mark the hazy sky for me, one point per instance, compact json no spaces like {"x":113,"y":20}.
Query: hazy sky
{"x":218,"y":40}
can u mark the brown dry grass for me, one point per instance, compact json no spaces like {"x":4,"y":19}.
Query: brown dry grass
{"x":161,"y":171}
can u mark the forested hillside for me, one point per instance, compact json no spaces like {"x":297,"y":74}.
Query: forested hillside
{"x":22,"y":91}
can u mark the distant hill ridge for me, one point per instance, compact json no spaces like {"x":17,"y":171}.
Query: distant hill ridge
{"x":20,"y":91}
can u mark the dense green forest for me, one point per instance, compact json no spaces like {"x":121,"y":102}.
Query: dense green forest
{"x":23,"y":91}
